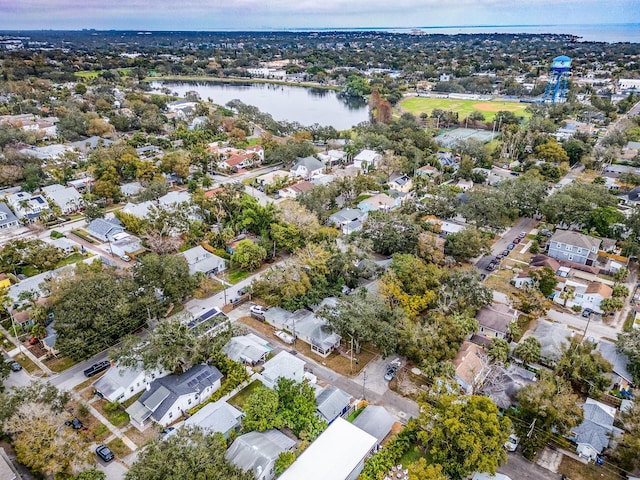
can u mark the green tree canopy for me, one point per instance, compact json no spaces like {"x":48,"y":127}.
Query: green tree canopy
{"x":167,"y":273}
{"x":248,"y":255}
{"x":528,"y":350}
{"x":193,"y":454}
{"x":463,"y":434}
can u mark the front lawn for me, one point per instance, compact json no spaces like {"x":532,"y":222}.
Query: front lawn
{"x":240,"y":398}
{"x":235,"y":275}
{"x":577,"y":470}
{"x":59,"y":364}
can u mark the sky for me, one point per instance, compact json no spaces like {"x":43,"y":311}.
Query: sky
{"x":291,"y":14}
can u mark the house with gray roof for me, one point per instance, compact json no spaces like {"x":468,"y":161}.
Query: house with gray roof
{"x":307,"y":167}
{"x":216,"y":417}
{"x":91,"y":143}
{"x":104,"y":230}
{"x":138,"y":210}
{"x":283,"y":365}
{"x":305,"y":326}
{"x":331,"y":403}
{"x":376,"y":421}
{"x":202,"y":261}
{"x":502,"y":384}
{"x":168,"y":398}
{"x":348,"y":220}
{"x":8,"y":219}
{"x":67,"y":199}
{"x":249,"y":348}
{"x":593,"y":434}
{"x":258,"y":451}
{"x":620,"y":376}
{"x":574,"y":247}
{"x":131,"y":189}
{"x":494,"y":320}
{"x":554,"y":338}
{"x":121,"y":383}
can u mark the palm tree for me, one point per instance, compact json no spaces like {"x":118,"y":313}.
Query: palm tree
{"x":567,"y":294}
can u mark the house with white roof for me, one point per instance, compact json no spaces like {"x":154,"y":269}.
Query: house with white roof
{"x":216,"y":417}
{"x":582,"y":293}
{"x":332,"y":157}
{"x":283,"y":365}
{"x":202,"y":261}
{"x":249,"y":348}
{"x":131,"y":189}
{"x":337,"y":454}
{"x":138,"y":210}
{"x":124,"y":244}
{"x":67,"y":199}
{"x":168,"y":398}
{"x":367,"y":160}
{"x":121,"y":383}
{"x":28,"y":207}
{"x":8,"y":220}
{"x":257,"y":452}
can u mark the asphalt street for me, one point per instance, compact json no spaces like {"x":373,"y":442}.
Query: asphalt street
{"x":519,"y":468}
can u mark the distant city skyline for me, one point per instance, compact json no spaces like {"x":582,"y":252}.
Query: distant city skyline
{"x":299,"y":14}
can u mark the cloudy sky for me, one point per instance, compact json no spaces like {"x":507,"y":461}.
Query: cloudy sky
{"x":277,"y":14}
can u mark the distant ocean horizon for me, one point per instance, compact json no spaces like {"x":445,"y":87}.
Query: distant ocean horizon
{"x":610,"y":32}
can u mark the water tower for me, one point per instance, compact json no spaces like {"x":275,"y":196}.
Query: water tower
{"x":556,"y":91}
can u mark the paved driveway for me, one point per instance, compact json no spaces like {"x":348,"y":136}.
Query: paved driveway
{"x":519,"y":468}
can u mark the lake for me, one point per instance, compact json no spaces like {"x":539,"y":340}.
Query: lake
{"x":294,"y":104}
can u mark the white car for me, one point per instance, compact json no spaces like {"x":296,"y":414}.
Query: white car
{"x":511,"y":444}
{"x":284,"y":336}
{"x":258,"y":309}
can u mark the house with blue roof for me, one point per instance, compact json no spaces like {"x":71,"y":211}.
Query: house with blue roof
{"x":169,"y":398}
{"x":593,"y":434}
{"x":105,"y":230}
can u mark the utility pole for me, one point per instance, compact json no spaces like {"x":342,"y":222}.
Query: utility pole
{"x":364,"y":382}
{"x":530,"y":432}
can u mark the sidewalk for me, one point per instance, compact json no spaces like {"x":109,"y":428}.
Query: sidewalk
{"x":25,"y":351}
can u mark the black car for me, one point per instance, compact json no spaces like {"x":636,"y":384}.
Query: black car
{"x":491,"y":267}
{"x":97,"y":368}
{"x":586,"y":312}
{"x":104,"y":453}
{"x":505,"y":253}
{"x":75,"y":423}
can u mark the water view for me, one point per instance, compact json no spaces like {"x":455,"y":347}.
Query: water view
{"x":294,"y":104}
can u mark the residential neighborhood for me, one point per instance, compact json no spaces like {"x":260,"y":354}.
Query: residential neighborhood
{"x":420,"y":295}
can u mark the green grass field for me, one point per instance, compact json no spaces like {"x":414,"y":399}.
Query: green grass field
{"x":418,"y":105}
{"x":91,"y":75}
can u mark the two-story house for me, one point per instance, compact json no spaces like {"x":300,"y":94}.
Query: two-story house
{"x":28,"y":207}
{"x":168,"y":398}
{"x":202,"y":261}
{"x":67,"y":199}
{"x":494,"y":320}
{"x":307,"y":167}
{"x":7,"y":219}
{"x":574,"y":247}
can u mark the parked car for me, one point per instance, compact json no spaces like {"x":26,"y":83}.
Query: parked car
{"x":125,"y":258}
{"x":522,"y":234}
{"x":15,"y":366}
{"x":34,"y":340}
{"x":491,"y":267}
{"x":97,"y":368}
{"x":392,"y":370}
{"x":258,"y":309}
{"x":516,"y":240}
{"x":511,"y":444}
{"x":505,"y":253}
{"x":75,"y":423}
{"x":587,"y":312}
{"x":483,"y":276}
{"x":166,"y":432}
{"x":104,"y":453}
{"x":511,"y":246}
{"x":499,"y":257}
{"x":284,"y":336}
